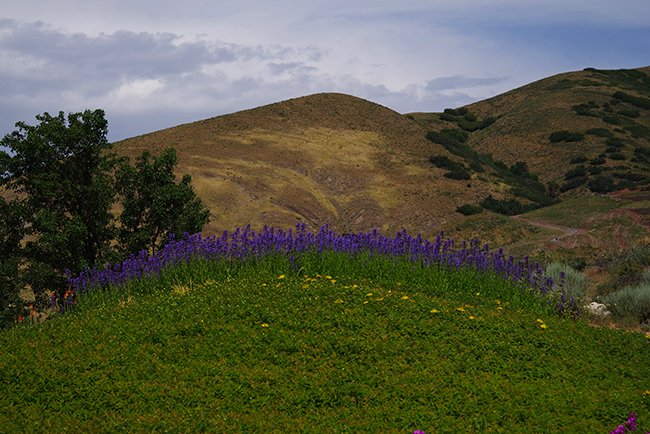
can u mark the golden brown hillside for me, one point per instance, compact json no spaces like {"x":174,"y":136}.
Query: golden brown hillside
{"x":321,"y":159}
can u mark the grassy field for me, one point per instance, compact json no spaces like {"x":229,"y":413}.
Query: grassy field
{"x":362,"y":344}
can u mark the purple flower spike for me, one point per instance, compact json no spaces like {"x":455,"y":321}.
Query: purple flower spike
{"x":419,"y":431}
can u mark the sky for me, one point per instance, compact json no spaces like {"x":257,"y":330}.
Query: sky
{"x":153,"y":64}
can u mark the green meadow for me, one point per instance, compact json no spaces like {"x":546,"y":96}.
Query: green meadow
{"x":340,"y":345}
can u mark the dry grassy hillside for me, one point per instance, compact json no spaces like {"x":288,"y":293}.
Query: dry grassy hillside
{"x":321,"y":159}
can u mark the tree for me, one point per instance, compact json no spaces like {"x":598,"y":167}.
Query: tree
{"x":154,"y":204}
{"x":11,"y":233}
{"x":62,"y":174}
{"x":60,"y":171}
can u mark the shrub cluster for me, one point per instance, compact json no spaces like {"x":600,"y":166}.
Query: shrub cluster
{"x":507,"y":206}
{"x":468,"y":209}
{"x":565,"y":136}
{"x":455,"y":170}
{"x":636,"y":101}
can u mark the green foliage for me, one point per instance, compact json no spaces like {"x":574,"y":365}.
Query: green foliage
{"x":62,"y":168}
{"x":468,"y":209}
{"x":572,"y":183}
{"x":601,"y":184}
{"x":600,"y":132}
{"x":154,"y":204}
{"x":597,"y":161}
{"x":253,"y":352}
{"x":615,"y":142}
{"x":506,"y":206}
{"x":631,"y":113}
{"x":616,"y":156}
{"x":62,"y":172}
{"x":636,"y":101}
{"x":569,"y":280}
{"x":11,"y":233}
{"x":631,"y":302}
{"x":565,"y":136}
{"x":612,"y":119}
{"x":579,"y":159}
{"x":578,"y":171}
{"x":585,"y":109}
{"x":639,"y":131}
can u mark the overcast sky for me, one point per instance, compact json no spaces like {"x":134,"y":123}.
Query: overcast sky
{"x":152,"y":64}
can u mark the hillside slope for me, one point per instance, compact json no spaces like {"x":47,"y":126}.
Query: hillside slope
{"x":321,"y":159}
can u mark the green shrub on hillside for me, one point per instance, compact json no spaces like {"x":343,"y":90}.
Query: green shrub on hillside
{"x":595,"y":170}
{"x":565,"y":136}
{"x":571,"y":281}
{"x":630,"y":113}
{"x":616,"y":156}
{"x":575,"y":172}
{"x":597,"y":161}
{"x":630,"y":302}
{"x":468,"y":209}
{"x":600,"y":132}
{"x":612,"y":119}
{"x":637,"y":101}
{"x":601,"y":184}
{"x":573,"y":183}
{"x":638,"y":131}
{"x":506,"y":206}
{"x":616,"y":142}
{"x":579,"y":159}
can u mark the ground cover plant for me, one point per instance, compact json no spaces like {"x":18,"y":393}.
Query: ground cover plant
{"x":298,"y":331}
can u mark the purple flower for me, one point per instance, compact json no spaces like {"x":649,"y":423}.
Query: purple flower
{"x":419,"y":431}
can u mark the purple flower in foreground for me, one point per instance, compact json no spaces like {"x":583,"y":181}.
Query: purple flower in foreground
{"x":419,"y":431}
{"x":619,"y":430}
{"x":631,"y":421}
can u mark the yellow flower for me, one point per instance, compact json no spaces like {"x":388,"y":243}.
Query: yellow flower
{"x":497,"y":301}
{"x":405,"y":297}
{"x":435,"y":310}
{"x":460,"y":309}
{"x":354,"y":286}
{"x":499,"y":308}
{"x":333,"y":280}
{"x":369,"y":294}
{"x":338,"y":301}
{"x":472,"y":317}
{"x":264,"y":324}
{"x":647,"y":335}
{"x":478,"y":293}
{"x":328,"y":277}
{"x":543,"y":326}
{"x":541,"y":321}
{"x":281,"y":276}
{"x":646,"y":393}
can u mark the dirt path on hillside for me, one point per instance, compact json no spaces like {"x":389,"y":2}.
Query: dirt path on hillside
{"x":567,"y":231}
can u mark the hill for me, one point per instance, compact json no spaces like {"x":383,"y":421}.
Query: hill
{"x":321,"y":159}
{"x":353,"y":164}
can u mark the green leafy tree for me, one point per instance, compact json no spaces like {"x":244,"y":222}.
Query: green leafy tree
{"x":154,"y":204}
{"x":11,"y":233}
{"x":61,"y":173}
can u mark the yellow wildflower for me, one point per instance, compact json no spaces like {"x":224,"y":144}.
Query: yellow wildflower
{"x":328,"y":277}
{"x":460,"y":309}
{"x":405,"y":297}
{"x":338,"y":301}
{"x":543,"y":326}
{"x":354,"y":286}
{"x":435,"y":310}
{"x":646,"y":393}
{"x":369,"y":294}
{"x":264,"y":324}
{"x":281,"y":276}
{"x":472,"y":317}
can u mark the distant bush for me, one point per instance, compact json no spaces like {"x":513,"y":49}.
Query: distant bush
{"x":629,"y":176}
{"x":637,"y":101}
{"x":630,"y":113}
{"x":565,"y":136}
{"x":600,"y":132}
{"x":566,"y":278}
{"x":575,"y":172}
{"x":506,"y":206}
{"x":573,"y":183}
{"x":579,"y":159}
{"x":456,"y":134}
{"x":476,"y":166}
{"x":595,"y":170}
{"x":585,"y":110}
{"x":616,"y":142}
{"x":601,"y":184}
{"x":612,"y":119}
{"x":617,"y":156}
{"x":630,"y":302}
{"x":455,"y":170}
{"x":597,"y":161}
{"x":639,"y":131}
{"x":468,"y":209}
{"x":486,"y":122}
{"x":520,"y":168}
